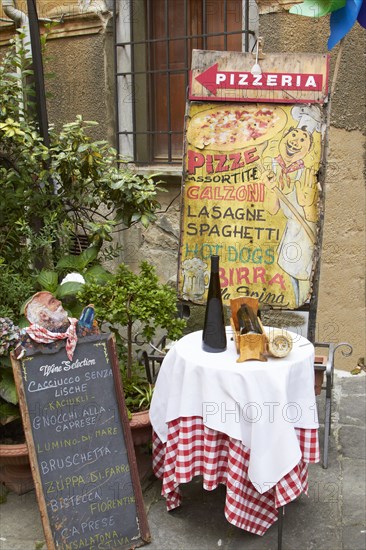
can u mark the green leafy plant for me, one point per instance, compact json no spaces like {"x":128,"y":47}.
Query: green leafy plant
{"x":9,"y":337}
{"x":51,"y":195}
{"x":145,"y":395}
{"x":137,"y":300}
{"x":134,"y":306}
{"x":84,"y":267}
{"x":138,"y":392}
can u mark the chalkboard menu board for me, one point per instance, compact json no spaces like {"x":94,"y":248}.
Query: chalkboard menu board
{"x":80,"y":447}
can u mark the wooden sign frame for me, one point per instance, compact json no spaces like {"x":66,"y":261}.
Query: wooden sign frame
{"x":19,"y":376}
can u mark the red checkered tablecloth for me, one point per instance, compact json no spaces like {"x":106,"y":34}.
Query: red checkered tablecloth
{"x":192,"y":449}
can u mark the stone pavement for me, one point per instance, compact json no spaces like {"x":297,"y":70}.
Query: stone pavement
{"x":333,"y":517}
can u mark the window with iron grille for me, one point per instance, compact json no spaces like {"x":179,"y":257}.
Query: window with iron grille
{"x":153,"y":44}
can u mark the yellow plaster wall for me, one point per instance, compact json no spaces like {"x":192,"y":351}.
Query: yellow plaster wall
{"x":341,"y":299}
{"x":341,"y":311}
{"x":49,"y":8}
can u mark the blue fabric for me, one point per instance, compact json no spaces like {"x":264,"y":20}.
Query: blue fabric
{"x":342,"y":21}
{"x":361,"y":18}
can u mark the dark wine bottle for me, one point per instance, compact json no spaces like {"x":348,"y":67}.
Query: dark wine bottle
{"x":248,"y":321}
{"x":214,"y":335}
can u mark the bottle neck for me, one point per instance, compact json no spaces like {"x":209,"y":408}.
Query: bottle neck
{"x":215,"y":264}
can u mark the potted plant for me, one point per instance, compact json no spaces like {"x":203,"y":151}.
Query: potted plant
{"x":51,"y":196}
{"x":135,"y":306}
{"x":15,"y":471}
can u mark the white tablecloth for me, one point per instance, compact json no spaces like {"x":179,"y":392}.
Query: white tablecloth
{"x":258,"y":403}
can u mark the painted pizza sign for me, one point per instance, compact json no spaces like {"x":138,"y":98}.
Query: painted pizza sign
{"x":251,"y":195}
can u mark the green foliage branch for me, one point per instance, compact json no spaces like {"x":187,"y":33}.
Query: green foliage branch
{"x":136,"y":301}
{"x":50,"y":195}
{"x":9,"y":337}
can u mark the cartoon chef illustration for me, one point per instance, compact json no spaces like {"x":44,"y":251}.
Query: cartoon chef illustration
{"x":292,"y":187}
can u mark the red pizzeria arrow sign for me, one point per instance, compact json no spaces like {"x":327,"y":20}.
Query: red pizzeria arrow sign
{"x":279,"y":82}
{"x":212,"y":79}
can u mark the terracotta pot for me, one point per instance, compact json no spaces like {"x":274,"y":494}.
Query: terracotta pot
{"x":142,"y":435}
{"x":319,"y":375}
{"x":15,"y":471}
{"x":141,"y":428}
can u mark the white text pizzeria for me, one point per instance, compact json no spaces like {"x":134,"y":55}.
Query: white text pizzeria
{"x":282,"y":80}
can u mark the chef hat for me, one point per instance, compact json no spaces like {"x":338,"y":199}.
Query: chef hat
{"x":308,"y":116}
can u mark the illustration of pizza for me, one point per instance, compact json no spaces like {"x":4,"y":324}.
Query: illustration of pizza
{"x":228,"y":127}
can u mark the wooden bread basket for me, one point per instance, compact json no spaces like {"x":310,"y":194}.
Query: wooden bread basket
{"x":248,"y":346}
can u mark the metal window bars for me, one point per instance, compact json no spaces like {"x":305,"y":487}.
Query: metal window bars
{"x":133,"y":18}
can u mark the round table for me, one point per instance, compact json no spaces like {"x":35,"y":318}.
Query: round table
{"x":267,"y":410}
